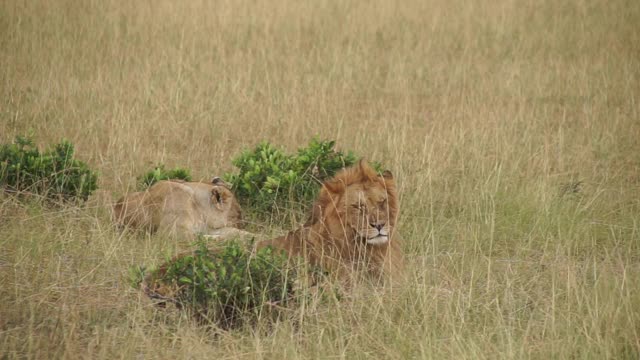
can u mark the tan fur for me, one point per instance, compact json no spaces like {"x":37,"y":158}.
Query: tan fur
{"x":343,"y":219}
{"x":179,"y":207}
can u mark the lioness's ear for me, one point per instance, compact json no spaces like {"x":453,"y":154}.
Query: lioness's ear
{"x":218,"y":197}
{"x":387,"y":175}
{"x":217,"y":181}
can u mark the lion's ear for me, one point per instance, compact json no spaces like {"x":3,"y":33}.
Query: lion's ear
{"x":387,"y":175}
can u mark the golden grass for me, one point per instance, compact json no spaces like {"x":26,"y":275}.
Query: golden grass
{"x":488,"y":113}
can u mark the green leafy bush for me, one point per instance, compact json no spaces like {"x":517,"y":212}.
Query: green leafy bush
{"x":227,"y":286}
{"x":267,"y":176}
{"x":160,"y":173}
{"x":54,"y":174}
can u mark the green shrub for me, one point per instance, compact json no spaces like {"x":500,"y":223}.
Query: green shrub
{"x":227,"y":286}
{"x":267,"y":176}
{"x":160,"y":173}
{"x":54,"y":174}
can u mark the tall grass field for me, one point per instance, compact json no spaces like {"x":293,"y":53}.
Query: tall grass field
{"x":511,"y":126}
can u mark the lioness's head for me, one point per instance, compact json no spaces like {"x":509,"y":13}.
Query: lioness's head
{"x":361,"y":202}
{"x":223,"y":200}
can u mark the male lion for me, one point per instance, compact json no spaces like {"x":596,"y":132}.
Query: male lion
{"x":178,"y":207}
{"x":352,"y":225}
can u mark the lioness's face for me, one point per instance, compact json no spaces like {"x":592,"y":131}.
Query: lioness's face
{"x":223,"y":200}
{"x":367,"y":212}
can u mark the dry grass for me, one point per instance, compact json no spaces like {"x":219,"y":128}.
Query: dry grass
{"x":489,"y":113}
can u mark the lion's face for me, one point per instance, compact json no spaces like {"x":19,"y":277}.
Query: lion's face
{"x":360,"y":204}
{"x":366,"y":211}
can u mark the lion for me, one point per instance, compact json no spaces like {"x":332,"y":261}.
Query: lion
{"x":177,"y":207}
{"x":351,"y":231}
{"x":351,"y":227}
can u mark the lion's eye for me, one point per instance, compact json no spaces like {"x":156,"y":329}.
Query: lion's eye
{"x":358,"y":206}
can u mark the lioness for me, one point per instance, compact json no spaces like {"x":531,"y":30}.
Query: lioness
{"x":352,"y":225}
{"x":178,"y":207}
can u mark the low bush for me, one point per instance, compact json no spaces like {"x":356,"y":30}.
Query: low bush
{"x":54,"y":174}
{"x":229,"y":286}
{"x":160,"y":173}
{"x":268,"y":178}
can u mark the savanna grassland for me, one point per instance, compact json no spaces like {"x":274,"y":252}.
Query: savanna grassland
{"x":512,"y":127}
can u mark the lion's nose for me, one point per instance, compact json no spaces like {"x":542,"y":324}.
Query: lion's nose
{"x":378,"y":226}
